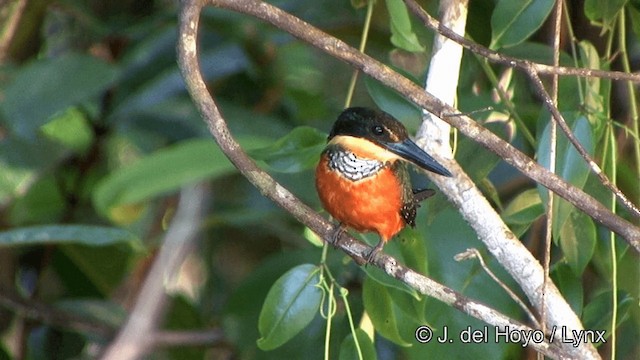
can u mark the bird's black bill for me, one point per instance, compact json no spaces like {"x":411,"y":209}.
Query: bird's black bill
{"x":408,"y":150}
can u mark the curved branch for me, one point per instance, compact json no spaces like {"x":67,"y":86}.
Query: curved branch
{"x":189,"y":66}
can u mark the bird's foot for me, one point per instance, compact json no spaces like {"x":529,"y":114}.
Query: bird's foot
{"x":372,"y":254}
{"x":338,"y":230}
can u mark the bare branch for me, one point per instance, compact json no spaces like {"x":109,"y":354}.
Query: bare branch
{"x":473,"y":253}
{"x":52,"y":316}
{"x":134,"y":338}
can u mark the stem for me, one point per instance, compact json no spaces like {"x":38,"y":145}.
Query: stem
{"x":344,"y":293}
{"x":363,"y":44}
{"x":631,"y":91}
{"x":330,"y":312}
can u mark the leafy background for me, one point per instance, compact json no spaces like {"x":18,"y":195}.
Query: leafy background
{"x":97,"y":135}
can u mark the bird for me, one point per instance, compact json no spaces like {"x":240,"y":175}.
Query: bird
{"x":362,"y":179}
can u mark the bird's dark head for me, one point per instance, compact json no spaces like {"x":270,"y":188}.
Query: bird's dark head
{"x":373,"y":125}
{"x":379,"y":135}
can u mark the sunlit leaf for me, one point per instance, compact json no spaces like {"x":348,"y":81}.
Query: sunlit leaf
{"x":604,"y":12}
{"x":70,"y":129}
{"x":514,"y":21}
{"x":22,"y":162}
{"x":291,"y":304}
{"x":402,"y":35}
{"x":162,"y":172}
{"x":524,"y":208}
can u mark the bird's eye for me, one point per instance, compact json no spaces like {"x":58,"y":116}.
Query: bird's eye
{"x":378,"y":130}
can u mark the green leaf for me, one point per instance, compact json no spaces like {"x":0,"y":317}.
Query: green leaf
{"x":604,"y":11}
{"x":297,"y":151}
{"x":393,"y":248}
{"x":68,"y":234}
{"x":392,"y":102}
{"x":597,"y":92}
{"x":104,"y":267}
{"x":634,"y":13}
{"x":412,"y":249}
{"x":348,"y":350}
{"x":42,"y":204}
{"x":569,"y":164}
{"x":162,"y":172}
{"x":22,"y":162}
{"x":578,"y":241}
{"x":598,"y":313}
{"x":402,"y":35}
{"x":71,"y":129}
{"x":524,"y":208}
{"x":53,"y":85}
{"x":569,"y":285}
{"x":513,"y":21}
{"x":184,"y":314}
{"x":593,"y":101}
{"x":379,"y":306}
{"x":291,"y":304}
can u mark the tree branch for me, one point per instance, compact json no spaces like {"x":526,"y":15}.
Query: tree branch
{"x":442,"y":82}
{"x":188,"y":61}
{"x":498,"y":58}
{"x":532,"y":70}
{"x":134,"y":338}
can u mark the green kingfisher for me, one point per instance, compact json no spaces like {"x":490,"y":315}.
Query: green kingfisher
{"x":362,"y":179}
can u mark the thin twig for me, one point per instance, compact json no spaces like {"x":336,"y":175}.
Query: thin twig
{"x":553,"y":140}
{"x":52,"y":316}
{"x":475,"y":254}
{"x":210,"y":337}
{"x":498,"y":58}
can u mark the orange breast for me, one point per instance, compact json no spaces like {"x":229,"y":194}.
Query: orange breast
{"x":370,"y":204}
